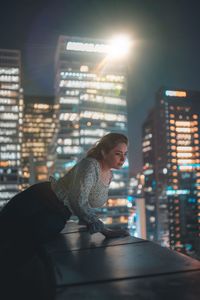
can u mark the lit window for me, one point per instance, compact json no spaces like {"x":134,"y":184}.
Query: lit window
{"x":183,"y":129}
{"x":172,"y":134}
{"x":84,"y":68}
{"x":186,"y":155}
{"x":173,"y":141}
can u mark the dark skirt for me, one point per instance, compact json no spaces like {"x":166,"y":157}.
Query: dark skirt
{"x":35,"y":214}
{"x":28,"y":220}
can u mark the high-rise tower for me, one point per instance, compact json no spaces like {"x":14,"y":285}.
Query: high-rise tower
{"x":38,"y":130}
{"x":91,"y":94}
{"x":172,"y":169}
{"x":11,"y":110}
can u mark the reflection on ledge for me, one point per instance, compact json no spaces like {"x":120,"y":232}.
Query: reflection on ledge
{"x":77,"y":265}
{"x":92,"y":267}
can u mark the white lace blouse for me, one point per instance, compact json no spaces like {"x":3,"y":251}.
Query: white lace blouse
{"x":82,"y":190}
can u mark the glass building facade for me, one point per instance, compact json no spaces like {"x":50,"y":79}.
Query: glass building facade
{"x":149,"y":188}
{"x":91,"y":95}
{"x":171,"y":159}
{"x":38,"y":130}
{"x":11,"y":119}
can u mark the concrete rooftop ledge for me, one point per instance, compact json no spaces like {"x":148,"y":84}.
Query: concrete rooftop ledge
{"x":91,"y":267}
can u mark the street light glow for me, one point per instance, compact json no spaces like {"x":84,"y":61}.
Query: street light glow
{"x":119,"y":46}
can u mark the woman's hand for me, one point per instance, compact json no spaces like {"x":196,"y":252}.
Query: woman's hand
{"x":114,"y":233}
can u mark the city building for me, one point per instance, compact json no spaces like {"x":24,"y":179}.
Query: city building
{"x":11,"y":122}
{"x":171,"y":165}
{"x":149,"y":188}
{"x":39,"y":125}
{"x":137,"y":209}
{"x":91,"y":94}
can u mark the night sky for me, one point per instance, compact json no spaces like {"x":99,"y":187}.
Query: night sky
{"x":166,"y":51}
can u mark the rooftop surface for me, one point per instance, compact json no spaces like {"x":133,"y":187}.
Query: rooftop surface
{"x":91,"y":267}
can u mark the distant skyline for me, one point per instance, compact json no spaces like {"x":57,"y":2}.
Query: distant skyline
{"x":166,"y":51}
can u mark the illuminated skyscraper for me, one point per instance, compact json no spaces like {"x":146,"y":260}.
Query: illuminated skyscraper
{"x":172,"y":170}
{"x":11,"y":109}
{"x":91,"y":94}
{"x":149,"y":158}
{"x":38,"y":130}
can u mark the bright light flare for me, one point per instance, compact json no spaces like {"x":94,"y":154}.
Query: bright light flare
{"x":119,"y":46}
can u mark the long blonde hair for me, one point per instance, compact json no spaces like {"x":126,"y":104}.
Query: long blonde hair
{"x":105,"y":144}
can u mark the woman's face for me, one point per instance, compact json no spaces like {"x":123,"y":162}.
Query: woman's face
{"x":116,"y":157}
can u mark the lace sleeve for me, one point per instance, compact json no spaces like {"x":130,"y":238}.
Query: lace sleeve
{"x":85,"y":177}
